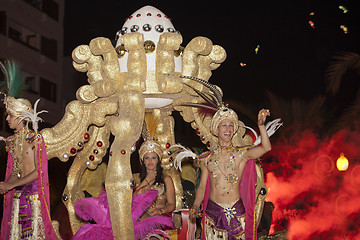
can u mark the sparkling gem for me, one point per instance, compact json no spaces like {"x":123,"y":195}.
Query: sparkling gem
{"x":91,"y":158}
{"x":72,"y":150}
{"x":80,"y":144}
{"x":87,"y":163}
{"x":208,"y":144}
{"x":179,"y":52}
{"x":99,"y":143}
{"x":123,"y":30}
{"x":170,"y":159}
{"x":133,"y":149}
{"x":138,"y":15}
{"x":263,"y":191}
{"x":110,"y":153}
{"x":123,"y":151}
{"x":65,"y":156}
{"x":197,"y":131}
{"x":167,"y":145}
{"x":147,"y":27}
{"x":149,"y":14}
{"x":159,"y":28}
{"x":86,"y":136}
{"x":120,"y":50}
{"x":132,"y":183}
{"x":96,"y":151}
{"x":134,"y":28}
{"x":149,"y":46}
{"x":159,"y":15}
{"x":65,"y":197}
{"x":171,"y":30}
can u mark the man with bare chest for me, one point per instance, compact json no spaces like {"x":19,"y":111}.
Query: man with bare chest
{"x":26,"y":212}
{"x":222,"y":170}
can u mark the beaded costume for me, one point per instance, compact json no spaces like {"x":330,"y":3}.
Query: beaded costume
{"x":26,"y":208}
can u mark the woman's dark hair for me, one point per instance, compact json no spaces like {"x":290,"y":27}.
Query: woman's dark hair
{"x":159,"y":172}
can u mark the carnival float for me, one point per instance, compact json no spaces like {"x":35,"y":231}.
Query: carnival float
{"x":139,"y":75}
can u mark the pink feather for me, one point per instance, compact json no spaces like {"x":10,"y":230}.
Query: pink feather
{"x":93,"y":208}
{"x":158,"y":233}
{"x":141,"y":202}
{"x":148,"y":225}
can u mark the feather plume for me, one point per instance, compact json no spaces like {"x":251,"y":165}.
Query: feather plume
{"x":203,"y":95}
{"x":181,"y":153}
{"x":190,"y":104}
{"x":33,"y":117}
{"x":217,"y":93}
{"x":14,"y":84}
{"x":148,"y":226}
{"x":271,"y":128}
{"x":151,"y":121}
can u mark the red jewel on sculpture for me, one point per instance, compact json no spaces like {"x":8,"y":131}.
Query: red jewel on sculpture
{"x":149,"y":14}
{"x":197,"y":131}
{"x":91,"y":157}
{"x":110,"y":153}
{"x":208,"y":144}
{"x":99,"y":143}
{"x":167,"y":145}
{"x":170,"y":159}
{"x":123,"y":152}
{"x":86,"y":136}
{"x":130,"y":17}
{"x":159,"y":15}
{"x":72,"y":150}
{"x":138,"y":15}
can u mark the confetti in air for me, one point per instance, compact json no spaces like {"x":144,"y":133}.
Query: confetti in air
{"x":312,"y":24}
{"x":243,"y":64}
{"x":257,"y":49}
{"x":344,"y":9}
{"x":345,"y":29}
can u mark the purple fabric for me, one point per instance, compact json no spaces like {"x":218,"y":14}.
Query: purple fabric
{"x":25,"y":218}
{"x":43,"y":192}
{"x":247,"y":192}
{"x":217,"y":214}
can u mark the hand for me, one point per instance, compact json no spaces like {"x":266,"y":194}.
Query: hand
{"x":154,"y":212}
{"x":263,"y":113}
{"x":5,"y":187}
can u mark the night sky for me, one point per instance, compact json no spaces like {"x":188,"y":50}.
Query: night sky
{"x":292,"y":56}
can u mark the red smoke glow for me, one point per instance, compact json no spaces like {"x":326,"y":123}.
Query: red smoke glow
{"x":312,"y":199}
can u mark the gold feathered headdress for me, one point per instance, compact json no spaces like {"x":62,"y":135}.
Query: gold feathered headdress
{"x":11,"y":88}
{"x":150,"y":145}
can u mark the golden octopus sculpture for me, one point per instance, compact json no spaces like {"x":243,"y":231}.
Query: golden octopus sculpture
{"x":125,"y":82}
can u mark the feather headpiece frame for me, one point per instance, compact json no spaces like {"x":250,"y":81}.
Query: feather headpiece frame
{"x":12,"y":88}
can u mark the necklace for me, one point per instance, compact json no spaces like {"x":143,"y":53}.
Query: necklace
{"x":17,"y":145}
{"x":231,"y":177}
{"x":225,"y":147}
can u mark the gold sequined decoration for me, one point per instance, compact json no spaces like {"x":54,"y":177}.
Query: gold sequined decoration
{"x":114,"y":103}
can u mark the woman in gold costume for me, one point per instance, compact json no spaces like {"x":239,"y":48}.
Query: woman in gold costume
{"x":151,"y":177}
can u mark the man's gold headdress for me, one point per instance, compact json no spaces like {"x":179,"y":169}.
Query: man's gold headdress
{"x":215,"y":104}
{"x":11,"y":89}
